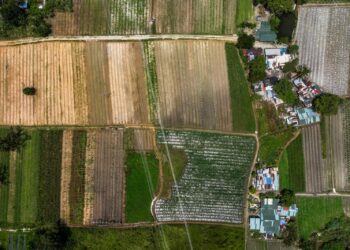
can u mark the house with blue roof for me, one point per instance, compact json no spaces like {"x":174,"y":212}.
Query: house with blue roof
{"x":307,"y":116}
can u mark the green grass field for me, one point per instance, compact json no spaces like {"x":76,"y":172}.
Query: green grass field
{"x":241,"y":103}
{"x":271,"y":146}
{"x":163,"y":237}
{"x":291,"y":167}
{"x":141,"y":185}
{"x":27,"y":176}
{"x":244,"y":11}
{"x":315,"y":212}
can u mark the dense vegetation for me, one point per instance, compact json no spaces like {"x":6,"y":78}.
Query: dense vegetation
{"x":284,"y":90}
{"x":268,"y":119}
{"x":257,"y":68}
{"x":141,"y":185}
{"x":327,"y":104}
{"x":241,"y":102}
{"x":245,"y":41}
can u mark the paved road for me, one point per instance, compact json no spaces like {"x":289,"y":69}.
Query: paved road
{"x":323,"y":194}
{"x":226,"y":38}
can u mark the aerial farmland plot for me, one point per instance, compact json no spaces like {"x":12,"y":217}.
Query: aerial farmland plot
{"x":93,"y":83}
{"x":212,"y":185}
{"x":323,"y":37}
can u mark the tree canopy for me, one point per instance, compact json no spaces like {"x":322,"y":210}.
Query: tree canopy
{"x":275,"y":22}
{"x":14,"y":140}
{"x":327,"y":104}
{"x":293,"y":49}
{"x":287,"y":197}
{"x":257,"y":69}
{"x":245,"y":41}
{"x":291,"y":66}
{"x":12,"y":14}
{"x":284,"y":90}
{"x":280,"y":6}
{"x":4,"y":174}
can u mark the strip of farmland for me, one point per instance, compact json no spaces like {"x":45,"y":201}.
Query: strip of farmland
{"x":212,"y":186}
{"x":328,"y":27}
{"x":193,"y":85}
{"x":315,"y":179}
{"x":77,"y":83}
{"x":346,"y":138}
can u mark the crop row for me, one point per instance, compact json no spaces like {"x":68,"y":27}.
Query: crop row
{"x":212,"y":185}
{"x":346,"y":128}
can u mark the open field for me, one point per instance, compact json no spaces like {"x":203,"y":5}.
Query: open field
{"x":94,"y":83}
{"x":172,"y":237}
{"x":244,"y":11}
{"x":194,"y":86}
{"x":143,"y":140}
{"x":315,"y":212}
{"x":142,"y":175}
{"x":346,"y":205}
{"x":254,"y":244}
{"x":314,"y":168}
{"x":33,"y":192}
{"x":213,"y":184}
{"x":346,"y":138}
{"x":291,"y":168}
{"x":326,"y":26}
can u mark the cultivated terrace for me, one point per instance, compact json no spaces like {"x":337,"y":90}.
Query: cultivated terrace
{"x":178,"y":124}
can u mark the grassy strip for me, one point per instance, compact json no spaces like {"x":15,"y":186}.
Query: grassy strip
{"x":164,"y":237}
{"x":178,"y":159}
{"x":4,"y":189}
{"x":76,"y":192}
{"x":27,"y":175}
{"x":291,"y":167}
{"x":271,"y":146}
{"x":241,"y":103}
{"x":244,"y":11}
{"x":152,"y":83}
{"x":141,"y":184}
{"x":323,"y":136}
{"x":315,"y":212}
{"x":267,"y":117}
{"x":50,"y":175}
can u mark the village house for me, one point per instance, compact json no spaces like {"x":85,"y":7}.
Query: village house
{"x":267,"y":179}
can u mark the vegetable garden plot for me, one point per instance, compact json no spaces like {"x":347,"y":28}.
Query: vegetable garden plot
{"x":213,"y":184}
{"x":323,"y":37}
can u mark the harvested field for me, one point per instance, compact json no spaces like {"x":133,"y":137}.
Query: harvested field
{"x":213,"y":183}
{"x":193,"y":85}
{"x":328,"y":27}
{"x":195,"y":16}
{"x":143,"y":140}
{"x":108,"y":177}
{"x":77,"y":83}
{"x":314,"y":169}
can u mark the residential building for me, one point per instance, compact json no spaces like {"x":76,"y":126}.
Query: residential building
{"x":265,"y":33}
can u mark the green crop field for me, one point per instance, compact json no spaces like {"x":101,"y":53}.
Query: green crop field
{"x":291,"y":167}
{"x":141,"y":186}
{"x":241,"y":103}
{"x":32,"y":195}
{"x":212,"y":185}
{"x":315,"y":212}
{"x":169,"y":237}
{"x":244,"y":12}
{"x":271,"y":146}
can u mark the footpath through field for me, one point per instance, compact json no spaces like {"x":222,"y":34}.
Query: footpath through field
{"x":331,"y":194}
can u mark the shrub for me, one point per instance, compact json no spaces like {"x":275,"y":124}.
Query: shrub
{"x":293,"y":49}
{"x":291,"y":66}
{"x":29,"y":91}
{"x":327,"y":104}
{"x":287,"y":197}
{"x":280,"y":6}
{"x":252,"y":190}
{"x":14,"y":140}
{"x":247,"y":25}
{"x":257,"y":69}
{"x":245,"y":41}
{"x":4,"y":174}
{"x":275,"y":22}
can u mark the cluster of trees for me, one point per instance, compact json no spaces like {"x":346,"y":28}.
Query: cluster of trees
{"x":29,"y":91}
{"x":245,"y":41}
{"x":18,"y":22}
{"x":257,"y":69}
{"x":327,"y":104}
{"x":284,"y":90}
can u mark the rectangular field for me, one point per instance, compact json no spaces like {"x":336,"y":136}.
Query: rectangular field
{"x":291,"y":167}
{"x":212,"y":186}
{"x":194,"y":87}
{"x":314,"y":213}
{"x":328,"y":28}
{"x":93,"y":83}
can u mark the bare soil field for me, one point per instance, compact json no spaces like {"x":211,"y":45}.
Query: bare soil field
{"x":67,"y":23}
{"x":193,"y":84}
{"x":93,"y":83}
{"x":314,"y":173}
{"x":144,"y":140}
{"x":328,"y":27}
{"x":108,"y":177}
